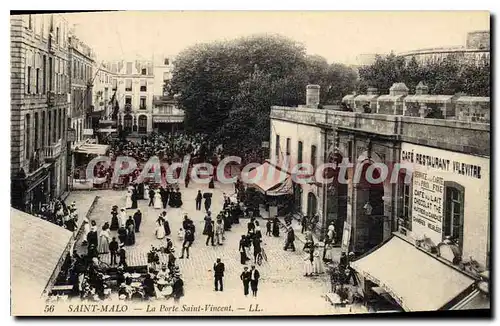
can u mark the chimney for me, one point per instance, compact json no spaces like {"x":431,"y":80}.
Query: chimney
{"x":312,"y":96}
{"x":421,"y":89}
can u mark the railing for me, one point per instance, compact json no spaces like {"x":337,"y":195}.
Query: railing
{"x":53,"y":151}
{"x":50,"y":98}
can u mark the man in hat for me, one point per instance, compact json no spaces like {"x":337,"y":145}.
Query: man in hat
{"x":218,"y":275}
{"x":290,"y":238}
{"x":254,"y":280}
{"x":113,"y":249}
{"x":198,"y":200}
{"x":122,"y":254}
{"x":171,"y":259}
{"x":137,"y":220}
{"x":163,"y":273}
{"x":245,"y":278}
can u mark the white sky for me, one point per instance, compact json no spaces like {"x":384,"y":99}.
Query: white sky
{"x":337,"y":36}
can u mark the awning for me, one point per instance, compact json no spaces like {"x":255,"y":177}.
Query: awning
{"x":107,"y":130}
{"x":429,"y":98}
{"x":94,"y":149}
{"x":36,"y":248}
{"x":416,"y":280}
{"x":269,"y":179}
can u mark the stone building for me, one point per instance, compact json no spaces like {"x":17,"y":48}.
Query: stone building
{"x":438,"y":220}
{"x":134,"y":94}
{"x":477,"y":48}
{"x":39,"y":108}
{"x":82,"y":60}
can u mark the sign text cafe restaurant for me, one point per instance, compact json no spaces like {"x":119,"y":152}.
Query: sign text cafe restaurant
{"x":438,"y":257}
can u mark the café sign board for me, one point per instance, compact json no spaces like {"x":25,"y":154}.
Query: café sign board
{"x":432,"y":170}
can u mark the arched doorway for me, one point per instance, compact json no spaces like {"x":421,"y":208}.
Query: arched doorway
{"x":370,"y":203}
{"x":143,"y":124}
{"x":297,"y":196}
{"x":312,"y":204}
{"x":127,"y":123}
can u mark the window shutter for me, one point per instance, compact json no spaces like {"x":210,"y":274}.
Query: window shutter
{"x":447,"y":211}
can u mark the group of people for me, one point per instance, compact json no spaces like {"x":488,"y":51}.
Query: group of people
{"x":56,"y":211}
{"x":250,"y":278}
{"x":163,"y":196}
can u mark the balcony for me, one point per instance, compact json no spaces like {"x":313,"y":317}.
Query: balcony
{"x":52,"y":152}
{"x":128,"y":107}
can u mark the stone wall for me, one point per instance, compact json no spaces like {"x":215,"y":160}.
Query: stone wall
{"x":454,"y":135}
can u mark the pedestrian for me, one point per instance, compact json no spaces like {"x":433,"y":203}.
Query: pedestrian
{"x":198,"y":200}
{"x":268,"y":228}
{"x":276,"y":227}
{"x":208,"y":222}
{"x":219,"y":275}
{"x":257,"y":231}
{"x":303,"y":222}
{"x":219,"y":232}
{"x":242,"y":249}
{"x":254,"y":280}
{"x":188,"y":241}
{"x":113,"y":249}
{"x":251,"y":225}
{"x":210,"y":233}
{"x":290,"y":238}
{"x":123,"y":256}
{"x":137,"y":220}
{"x":245,"y":278}
{"x":257,"y":249}
{"x":151,"y":197}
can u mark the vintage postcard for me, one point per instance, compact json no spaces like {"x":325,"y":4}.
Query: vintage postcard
{"x":272,"y":163}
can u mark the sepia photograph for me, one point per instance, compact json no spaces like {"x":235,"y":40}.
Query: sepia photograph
{"x":250,"y":163}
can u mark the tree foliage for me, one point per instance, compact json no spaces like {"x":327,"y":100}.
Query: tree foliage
{"x":227,"y":88}
{"x":450,"y":75}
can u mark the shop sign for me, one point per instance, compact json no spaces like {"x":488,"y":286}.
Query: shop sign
{"x":431,"y":169}
{"x":88,"y":132}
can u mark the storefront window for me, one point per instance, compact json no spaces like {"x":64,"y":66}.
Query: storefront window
{"x":453,"y":214}
{"x":299,"y":151}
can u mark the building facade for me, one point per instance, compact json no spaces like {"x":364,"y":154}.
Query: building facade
{"x":134,"y":95}
{"x":40,"y":79}
{"x":82,"y":60}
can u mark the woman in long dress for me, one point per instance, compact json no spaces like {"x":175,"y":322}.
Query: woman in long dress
{"x":146,"y":192}
{"x":115,"y":225}
{"x":308,"y":266}
{"x":166,"y":226}
{"x":160,"y":229}
{"x":158,"y":202}
{"x":318,"y":267}
{"x":128,"y":200}
{"x":104,"y":239}
{"x":123,"y":218}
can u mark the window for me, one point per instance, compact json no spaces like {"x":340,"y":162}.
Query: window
{"x":128,"y":85}
{"x":28,"y":81}
{"x":114,"y":83}
{"x":30,"y":22}
{"x":299,"y":153}
{"x":277,"y":149}
{"x":144,"y":71}
{"x":49,"y":128}
{"x":129,"y":68}
{"x":143,"y":85}
{"x":57,"y":35}
{"x":44,"y":74}
{"x":143,"y":103}
{"x":128,"y":100}
{"x":43,"y":130}
{"x":167,"y":62}
{"x":166,"y":76}
{"x":37,"y":86}
{"x":27,"y":139}
{"x":313,"y":156}
{"x":50,"y":74}
{"x":288,"y":144}
{"x":453,"y":212}
{"x":405,"y":200}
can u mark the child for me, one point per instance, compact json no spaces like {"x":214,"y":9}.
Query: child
{"x":269,"y":227}
{"x":180,"y":234}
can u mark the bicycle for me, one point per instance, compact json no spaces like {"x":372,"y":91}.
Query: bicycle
{"x":261,"y":256}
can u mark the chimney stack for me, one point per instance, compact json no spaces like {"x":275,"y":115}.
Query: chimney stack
{"x":312,"y":96}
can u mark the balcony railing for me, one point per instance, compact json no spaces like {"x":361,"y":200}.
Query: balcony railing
{"x":53,"y":151}
{"x":51,"y":98}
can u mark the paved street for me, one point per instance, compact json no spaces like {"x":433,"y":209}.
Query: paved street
{"x":282,"y":284}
